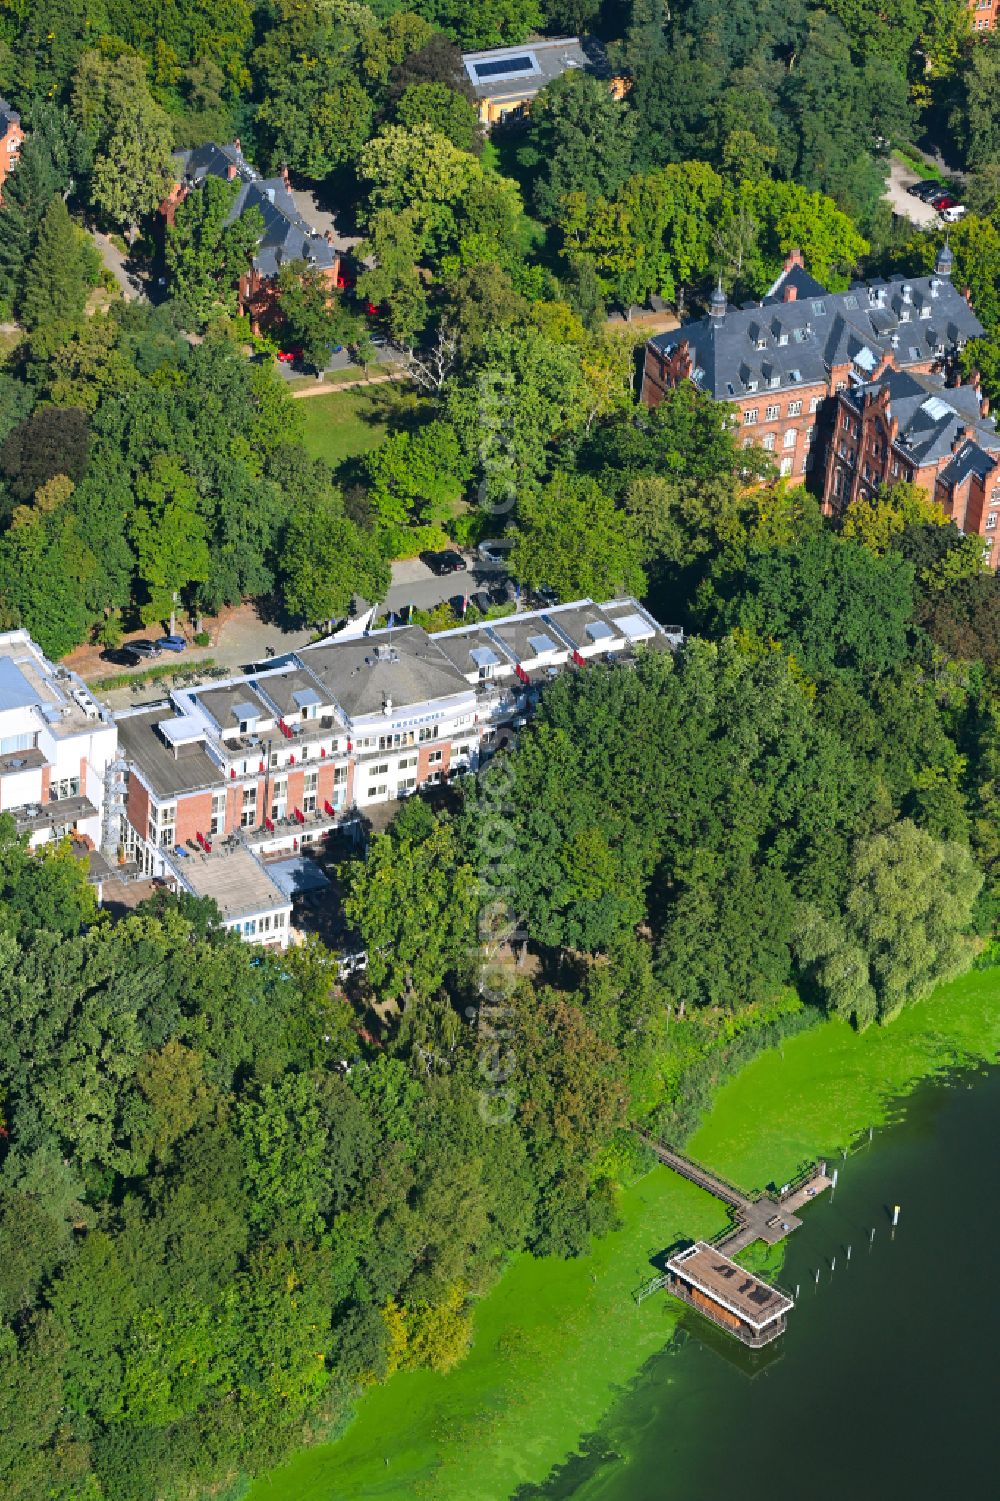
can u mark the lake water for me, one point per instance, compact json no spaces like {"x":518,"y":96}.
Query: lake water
{"x":885,"y":1384}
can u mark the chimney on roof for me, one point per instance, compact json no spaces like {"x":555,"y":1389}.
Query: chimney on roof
{"x":236,"y":143}
{"x":283,"y":174}
{"x":231,"y":171}
{"x":794,"y":258}
{"x":984,"y":407}
{"x":790,"y":292}
{"x":975,"y":379}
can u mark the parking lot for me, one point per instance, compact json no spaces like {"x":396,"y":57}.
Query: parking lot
{"x":901,"y":179}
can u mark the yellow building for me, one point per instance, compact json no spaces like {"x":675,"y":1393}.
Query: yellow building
{"x":505,"y":79}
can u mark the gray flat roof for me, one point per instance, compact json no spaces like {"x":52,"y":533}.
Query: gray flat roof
{"x":297,"y":874}
{"x":15,"y":690}
{"x":235,"y":880}
{"x":168,"y":773}
{"x":230,"y":703}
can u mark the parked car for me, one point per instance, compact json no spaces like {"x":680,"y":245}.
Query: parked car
{"x":953,"y":214}
{"x":289,"y":356}
{"x":172,"y":643}
{"x":445,"y":562}
{"x":545,"y":597}
{"x":940,"y":198}
{"x":495,"y":551}
{"x":926,"y":190}
{"x":141,"y":651}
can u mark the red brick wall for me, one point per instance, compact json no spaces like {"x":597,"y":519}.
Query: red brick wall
{"x":46,"y":780}
{"x":137,"y":805}
{"x":14,"y":134}
{"x":194,"y":816}
{"x":424,"y":767}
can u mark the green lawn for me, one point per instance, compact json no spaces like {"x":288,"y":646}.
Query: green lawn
{"x":555,"y":1340}
{"x":345,"y":424}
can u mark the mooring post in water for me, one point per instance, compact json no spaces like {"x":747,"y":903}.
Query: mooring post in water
{"x":848,"y":1253}
{"x":817,"y":1276}
{"x":796,"y":1289}
{"x":871,"y":1238}
{"x":895,"y":1215}
{"x":833,"y":1265}
{"x":871,"y":1132}
{"x":833,"y":1184}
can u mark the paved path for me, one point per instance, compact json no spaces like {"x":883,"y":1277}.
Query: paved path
{"x":330,"y":388}
{"x":113,"y":261}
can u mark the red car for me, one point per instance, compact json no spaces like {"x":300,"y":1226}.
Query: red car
{"x":289,"y":356}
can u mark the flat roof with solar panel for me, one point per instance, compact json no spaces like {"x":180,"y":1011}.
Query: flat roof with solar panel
{"x":729,"y":1295}
{"x":511,"y":75}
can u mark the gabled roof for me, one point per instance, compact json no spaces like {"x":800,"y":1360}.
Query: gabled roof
{"x":286,"y":236}
{"x":8,"y":117}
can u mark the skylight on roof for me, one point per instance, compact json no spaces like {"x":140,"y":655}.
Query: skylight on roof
{"x":483,"y":657}
{"x":305,"y":697}
{"x":850,"y":301}
{"x":936,"y":409}
{"x":864,"y":358}
{"x":599,"y":630}
{"x":246,"y":712}
{"x":541,"y":644}
{"x":504,"y":67}
{"x":635,"y":627}
{"x":819,"y":308}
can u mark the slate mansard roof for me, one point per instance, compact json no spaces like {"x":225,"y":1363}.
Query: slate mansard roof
{"x":286,"y":237}
{"x":778,"y":344}
{"x":932,"y":417}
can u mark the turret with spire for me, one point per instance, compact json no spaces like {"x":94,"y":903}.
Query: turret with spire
{"x":945,"y":260}
{"x":717,"y":306}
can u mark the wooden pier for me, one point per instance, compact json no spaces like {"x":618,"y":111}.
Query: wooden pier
{"x":753,"y":1216}
{"x":703,"y":1275}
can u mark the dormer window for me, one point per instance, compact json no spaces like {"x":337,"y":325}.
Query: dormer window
{"x":761,"y":341}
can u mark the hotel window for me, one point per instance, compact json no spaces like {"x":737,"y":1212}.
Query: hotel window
{"x":249,"y":815}
{"x":309,"y":793}
{"x":380,"y":791}
{"x":991,"y":521}
{"x":790,"y":436}
{"x":786,"y":466}
{"x":435,"y":758}
{"x":814,"y":402}
{"x":65,"y":787}
{"x":794,"y":408}
{"x":769,"y":442}
{"x":339,"y":776}
{"x":429,"y":732}
{"x":218,"y":820}
{"x":11,"y":744}
{"x":378,"y":771}
{"x":750,"y":417}
{"x":771,"y":414}
{"x":407,"y":784}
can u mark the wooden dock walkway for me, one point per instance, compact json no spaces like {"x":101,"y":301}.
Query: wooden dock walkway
{"x":754,"y":1216}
